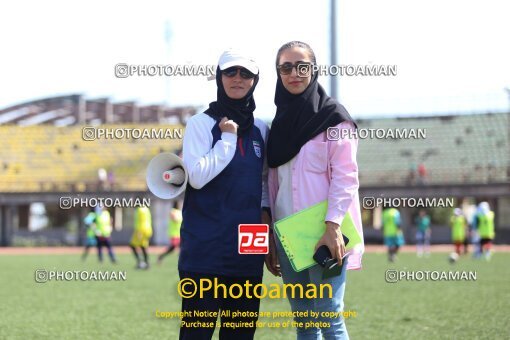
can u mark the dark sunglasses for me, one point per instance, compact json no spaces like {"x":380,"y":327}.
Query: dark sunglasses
{"x":303,"y":68}
{"x":232,"y":72}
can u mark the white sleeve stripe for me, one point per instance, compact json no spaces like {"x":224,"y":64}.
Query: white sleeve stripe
{"x":204,"y":162}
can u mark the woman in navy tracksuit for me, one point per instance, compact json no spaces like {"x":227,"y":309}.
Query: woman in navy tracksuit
{"x":224,"y":154}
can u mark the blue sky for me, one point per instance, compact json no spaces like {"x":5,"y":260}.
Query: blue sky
{"x":452,"y":56}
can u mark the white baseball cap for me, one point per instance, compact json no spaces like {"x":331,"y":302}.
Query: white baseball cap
{"x":231,"y":58}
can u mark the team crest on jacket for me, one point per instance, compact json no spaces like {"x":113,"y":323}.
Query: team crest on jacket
{"x":256,"y":147}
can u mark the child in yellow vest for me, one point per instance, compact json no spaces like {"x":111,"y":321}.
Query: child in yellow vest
{"x":142,"y":233}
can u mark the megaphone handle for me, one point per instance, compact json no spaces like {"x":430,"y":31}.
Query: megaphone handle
{"x":177,"y":167}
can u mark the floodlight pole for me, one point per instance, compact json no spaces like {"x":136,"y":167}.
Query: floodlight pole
{"x":168,"y":38}
{"x":333,"y":54}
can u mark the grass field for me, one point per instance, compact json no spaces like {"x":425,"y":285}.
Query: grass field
{"x":126,"y":309}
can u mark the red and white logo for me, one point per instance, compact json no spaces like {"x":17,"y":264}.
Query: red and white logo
{"x":253,"y":239}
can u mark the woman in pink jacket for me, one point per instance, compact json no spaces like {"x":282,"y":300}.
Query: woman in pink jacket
{"x":312,"y":158}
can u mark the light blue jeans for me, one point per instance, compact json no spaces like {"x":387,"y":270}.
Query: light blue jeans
{"x":336,"y":329}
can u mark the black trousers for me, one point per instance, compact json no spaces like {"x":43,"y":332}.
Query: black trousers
{"x":228,"y":306}
{"x":104,"y":242}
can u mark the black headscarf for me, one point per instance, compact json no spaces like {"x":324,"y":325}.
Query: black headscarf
{"x":299,"y":118}
{"x":239,"y":110}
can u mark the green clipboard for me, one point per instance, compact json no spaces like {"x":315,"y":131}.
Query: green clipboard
{"x":300,"y":232}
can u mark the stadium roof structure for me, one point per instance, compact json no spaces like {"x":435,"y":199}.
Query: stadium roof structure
{"x":49,"y":158}
{"x":45,"y":148}
{"x":76,"y":109}
{"x":452,"y":149}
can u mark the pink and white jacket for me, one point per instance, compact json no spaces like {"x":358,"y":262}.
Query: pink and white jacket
{"x":313,"y":182}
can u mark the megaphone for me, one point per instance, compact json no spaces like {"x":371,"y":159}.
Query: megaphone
{"x":166,"y":176}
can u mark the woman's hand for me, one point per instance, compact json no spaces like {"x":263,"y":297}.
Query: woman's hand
{"x":227,"y":125}
{"x":334,"y":240}
{"x":271,"y":259}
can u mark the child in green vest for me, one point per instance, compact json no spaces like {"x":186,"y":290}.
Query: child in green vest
{"x":459,"y":225}
{"x":393,"y":236}
{"x":103,"y":233}
{"x":91,"y":241}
